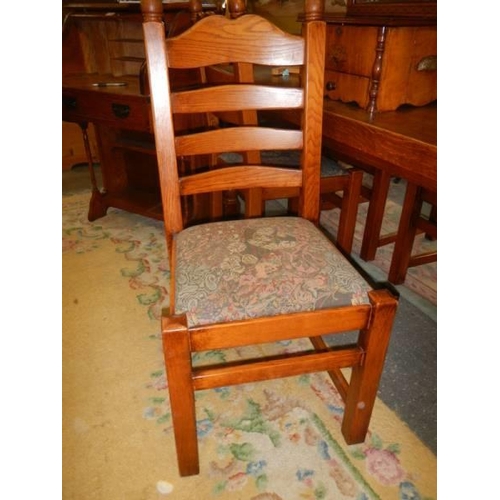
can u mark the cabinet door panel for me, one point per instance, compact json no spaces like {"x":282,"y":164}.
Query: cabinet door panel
{"x":403,"y":81}
{"x":396,"y":67}
{"x":94,"y":45}
{"x":422,"y":80}
{"x":351,"y":49}
{"x":126,"y":47}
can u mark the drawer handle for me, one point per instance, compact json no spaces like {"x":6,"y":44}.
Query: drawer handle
{"x":69,"y":102}
{"x":120,"y":110}
{"x":428,"y":63}
{"x":331,"y":85}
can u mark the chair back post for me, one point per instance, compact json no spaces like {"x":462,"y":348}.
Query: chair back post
{"x":314,"y":33}
{"x":154,"y":32}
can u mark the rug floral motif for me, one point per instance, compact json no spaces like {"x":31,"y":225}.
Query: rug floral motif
{"x":258,"y":441}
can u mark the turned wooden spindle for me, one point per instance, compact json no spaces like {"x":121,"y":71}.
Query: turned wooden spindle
{"x":377,"y":71}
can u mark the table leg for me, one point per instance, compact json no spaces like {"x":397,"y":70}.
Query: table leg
{"x":97,"y":206}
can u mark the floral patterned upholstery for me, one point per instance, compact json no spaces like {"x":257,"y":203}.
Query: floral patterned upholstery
{"x":260,"y":267}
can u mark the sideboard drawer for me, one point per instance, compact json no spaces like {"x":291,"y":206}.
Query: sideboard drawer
{"x":347,"y":88}
{"x":130,"y":112}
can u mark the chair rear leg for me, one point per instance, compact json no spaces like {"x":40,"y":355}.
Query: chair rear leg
{"x":407,"y":231}
{"x":375,"y":215}
{"x":349,"y":211}
{"x":176,"y":350}
{"x":365,"y":377}
{"x":433,"y":219}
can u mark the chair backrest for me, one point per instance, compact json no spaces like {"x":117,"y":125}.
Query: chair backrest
{"x":247,"y":40}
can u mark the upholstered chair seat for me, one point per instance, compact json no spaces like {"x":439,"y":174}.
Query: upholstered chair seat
{"x":260,"y":267}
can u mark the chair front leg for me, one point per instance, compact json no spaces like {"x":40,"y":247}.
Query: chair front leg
{"x":365,"y":377}
{"x":177,"y":353}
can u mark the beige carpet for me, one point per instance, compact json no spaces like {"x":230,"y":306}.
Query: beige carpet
{"x":273,"y":440}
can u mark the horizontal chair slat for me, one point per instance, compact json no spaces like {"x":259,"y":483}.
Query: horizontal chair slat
{"x":236,"y":98}
{"x":240,"y":177}
{"x":237,"y":139}
{"x":282,"y":327}
{"x":208,"y":378}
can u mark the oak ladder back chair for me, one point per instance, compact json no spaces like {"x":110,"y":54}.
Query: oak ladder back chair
{"x":258,"y":280}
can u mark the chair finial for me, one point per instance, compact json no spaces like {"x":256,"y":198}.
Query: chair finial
{"x":237,"y":8}
{"x":152,"y":10}
{"x":196,"y":9}
{"x":314,"y":10}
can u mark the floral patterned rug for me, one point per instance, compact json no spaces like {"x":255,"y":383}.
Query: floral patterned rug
{"x":275,"y":440}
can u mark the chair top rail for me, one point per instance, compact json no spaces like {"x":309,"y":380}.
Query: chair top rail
{"x":206,"y":43}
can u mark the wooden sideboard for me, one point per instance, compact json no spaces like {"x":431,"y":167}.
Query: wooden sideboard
{"x":381,"y":63}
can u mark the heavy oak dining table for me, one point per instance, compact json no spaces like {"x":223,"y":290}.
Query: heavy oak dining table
{"x":402,"y":143}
